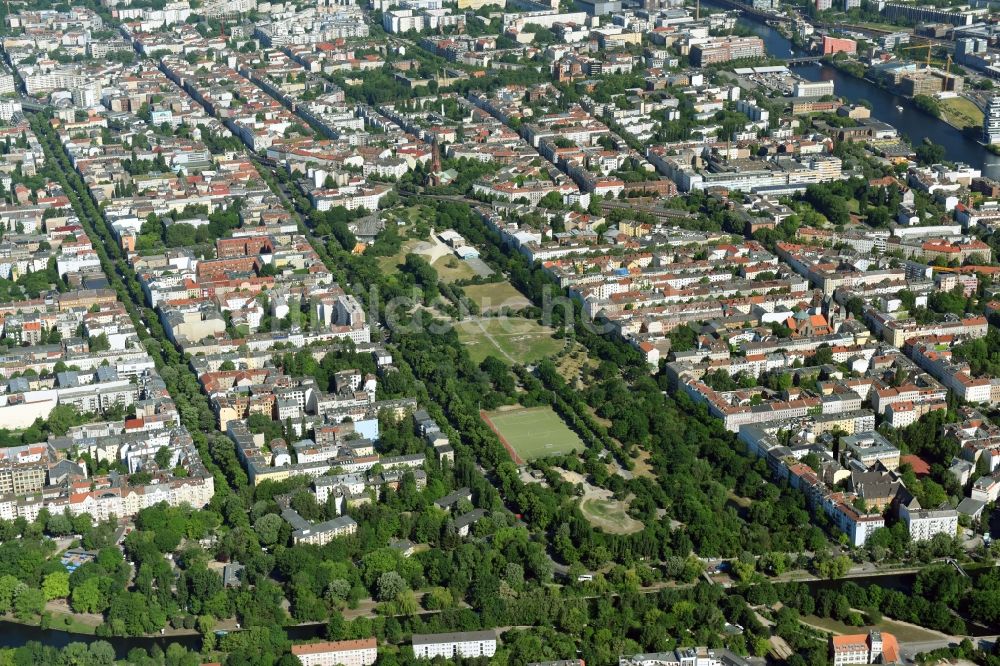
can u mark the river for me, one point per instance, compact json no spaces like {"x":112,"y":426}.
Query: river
{"x":914,"y":124}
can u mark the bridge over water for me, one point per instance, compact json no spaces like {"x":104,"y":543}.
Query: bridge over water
{"x":802,"y":60}
{"x":749,"y":10}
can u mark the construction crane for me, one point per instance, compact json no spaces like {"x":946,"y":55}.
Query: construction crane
{"x":927,"y":46}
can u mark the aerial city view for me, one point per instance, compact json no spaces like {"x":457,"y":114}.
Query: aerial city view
{"x":515,"y":332}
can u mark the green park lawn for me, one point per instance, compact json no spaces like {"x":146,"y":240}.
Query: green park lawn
{"x":904,"y":632}
{"x":511,"y":339}
{"x":961,"y":112}
{"x":450,"y":268}
{"x":609,"y":515}
{"x":494,"y":296}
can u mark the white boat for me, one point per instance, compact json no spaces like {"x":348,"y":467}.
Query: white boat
{"x":899,"y":108}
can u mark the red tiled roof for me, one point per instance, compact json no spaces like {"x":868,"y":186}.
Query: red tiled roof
{"x":920,"y":467}
{"x":334,"y":646}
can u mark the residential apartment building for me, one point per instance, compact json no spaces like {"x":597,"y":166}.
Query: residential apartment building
{"x":991,"y":122}
{"x":930,"y":14}
{"x":360,"y":652}
{"x":466,"y":644}
{"x":925,"y":524}
{"x":318,"y":534}
{"x":692,"y":656}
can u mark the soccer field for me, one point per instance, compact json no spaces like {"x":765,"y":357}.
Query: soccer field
{"x":533,"y":432}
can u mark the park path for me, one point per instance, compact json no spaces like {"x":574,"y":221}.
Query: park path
{"x":493,"y":341}
{"x":61,"y":607}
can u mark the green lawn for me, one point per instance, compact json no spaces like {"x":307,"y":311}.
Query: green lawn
{"x":451,"y":268}
{"x":570,"y":365}
{"x":903,"y":632}
{"x":392,"y":263}
{"x":961,"y":112}
{"x":495,"y":296}
{"x":511,"y":339}
{"x":418,"y":212}
{"x":411,"y":214}
{"x":533,"y":432}
{"x":609,"y":515}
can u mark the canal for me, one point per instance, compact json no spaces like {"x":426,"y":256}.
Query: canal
{"x":13,"y":634}
{"x":914,"y":124}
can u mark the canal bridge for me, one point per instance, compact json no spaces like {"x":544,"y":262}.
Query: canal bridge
{"x":750,"y":10}
{"x":802,"y":60}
